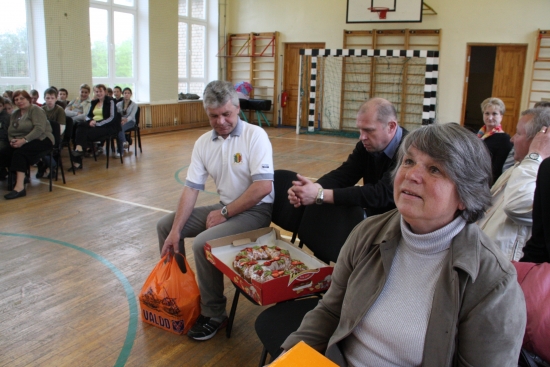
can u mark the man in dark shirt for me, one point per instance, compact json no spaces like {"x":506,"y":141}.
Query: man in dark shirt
{"x":373,"y":159}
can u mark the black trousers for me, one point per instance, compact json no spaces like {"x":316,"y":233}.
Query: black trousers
{"x":19,"y":159}
{"x":86,"y":133}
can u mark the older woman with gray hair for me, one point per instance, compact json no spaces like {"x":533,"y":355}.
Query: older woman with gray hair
{"x":492,"y":134}
{"x":422,"y":285}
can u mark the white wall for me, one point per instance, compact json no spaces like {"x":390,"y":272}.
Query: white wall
{"x":462,"y":22}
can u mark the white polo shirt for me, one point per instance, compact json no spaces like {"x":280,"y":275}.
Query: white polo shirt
{"x":234,"y":163}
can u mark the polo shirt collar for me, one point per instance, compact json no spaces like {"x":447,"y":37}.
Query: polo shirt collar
{"x":237,"y":131}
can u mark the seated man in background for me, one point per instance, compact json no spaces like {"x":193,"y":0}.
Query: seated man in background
{"x":63,"y":95}
{"x":4,"y":142}
{"x":508,"y":222}
{"x":117,"y":94}
{"x":537,"y":249}
{"x":373,"y":158}
{"x":8,"y":106}
{"x":239,"y":158}
{"x":56,"y":113}
{"x":34,"y":97}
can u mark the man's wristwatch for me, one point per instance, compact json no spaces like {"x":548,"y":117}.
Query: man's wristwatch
{"x":224,"y":212}
{"x":320,"y":196}
{"x":535,"y":157}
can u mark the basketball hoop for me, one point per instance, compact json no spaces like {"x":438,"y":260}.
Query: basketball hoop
{"x":380,"y":10}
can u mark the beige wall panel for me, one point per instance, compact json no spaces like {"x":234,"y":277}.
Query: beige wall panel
{"x":68,"y":44}
{"x":163,"y":49}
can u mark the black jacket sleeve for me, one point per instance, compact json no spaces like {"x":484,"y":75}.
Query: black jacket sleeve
{"x":537,"y":249}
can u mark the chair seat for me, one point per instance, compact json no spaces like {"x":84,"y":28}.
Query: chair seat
{"x":287,"y":316}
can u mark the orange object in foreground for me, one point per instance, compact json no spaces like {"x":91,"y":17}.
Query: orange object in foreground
{"x":170,"y":297}
{"x":302,"y":355}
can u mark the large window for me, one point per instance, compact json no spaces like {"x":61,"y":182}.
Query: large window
{"x":112,"y":36}
{"x":192,"y":46}
{"x":16,"y":66}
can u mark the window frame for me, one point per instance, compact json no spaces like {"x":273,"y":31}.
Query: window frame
{"x":190,"y":21}
{"x":30,"y":80}
{"x":112,"y":80}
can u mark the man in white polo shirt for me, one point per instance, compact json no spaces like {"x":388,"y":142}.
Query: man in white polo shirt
{"x":239,"y":158}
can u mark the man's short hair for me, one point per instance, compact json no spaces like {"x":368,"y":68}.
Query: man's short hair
{"x":492,"y":101}
{"x":33,"y":93}
{"x":385,"y":110}
{"x":51,"y":91}
{"x":541,"y":104}
{"x":541,"y":117}
{"x":117,"y":87}
{"x":217,"y":93}
{"x":64,"y":90}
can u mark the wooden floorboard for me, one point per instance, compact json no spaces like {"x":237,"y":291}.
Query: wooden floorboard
{"x":62,"y":252}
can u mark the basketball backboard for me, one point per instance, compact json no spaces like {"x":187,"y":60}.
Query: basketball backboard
{"x":395,"y":11}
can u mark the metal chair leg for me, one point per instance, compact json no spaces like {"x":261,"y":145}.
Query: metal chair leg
{"x":232,"y":313}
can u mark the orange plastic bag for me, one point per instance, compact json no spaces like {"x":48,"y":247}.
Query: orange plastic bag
{"x":170,"y":297}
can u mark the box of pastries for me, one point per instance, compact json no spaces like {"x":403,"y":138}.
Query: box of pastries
{"x":266,"y":267}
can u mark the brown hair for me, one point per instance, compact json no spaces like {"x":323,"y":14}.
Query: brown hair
{"x":23,"y":93}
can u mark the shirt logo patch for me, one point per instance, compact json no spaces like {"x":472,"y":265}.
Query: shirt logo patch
{"x":237,"y":158}
{"x":265,"y":165}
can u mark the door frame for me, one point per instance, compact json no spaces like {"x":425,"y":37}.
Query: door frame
{"x":303,"y":114}
{"x":467,"y":71}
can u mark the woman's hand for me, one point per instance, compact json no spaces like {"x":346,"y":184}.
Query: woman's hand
{"x":123,"y":120}
{"x":93,"y":123}
{"x":17,"y":143}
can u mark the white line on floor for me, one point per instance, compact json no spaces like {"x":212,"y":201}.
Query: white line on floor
{"x":109,"y":198}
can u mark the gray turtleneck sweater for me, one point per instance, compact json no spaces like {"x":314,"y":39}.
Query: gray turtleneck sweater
{"x":392,"y":332}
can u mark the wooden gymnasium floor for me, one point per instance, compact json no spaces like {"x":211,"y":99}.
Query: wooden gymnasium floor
{"x":73,"y":261}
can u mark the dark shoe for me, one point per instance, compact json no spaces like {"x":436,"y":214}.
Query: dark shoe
{"x":77,"y":153}
{"x":15,"y":194}
{"x":205,"y":328}
{"x":41,"y":170}
{"x":74,"y":168}
{"x":54,"y":169}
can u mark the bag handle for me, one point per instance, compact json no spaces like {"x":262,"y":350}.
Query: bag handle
{"x":180,"y":260}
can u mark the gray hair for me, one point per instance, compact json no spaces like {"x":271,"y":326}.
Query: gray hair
{"x":385,"y":110}
{"x":217,"y":93}
{"x":495,"y":102}
{"x":542,"y":104}
{"x":464,"y":159}
{"x":541,"y":117}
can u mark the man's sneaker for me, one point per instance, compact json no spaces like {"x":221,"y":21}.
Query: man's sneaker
{"x":205,"y":328}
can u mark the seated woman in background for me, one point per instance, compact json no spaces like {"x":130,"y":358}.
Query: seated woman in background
{"x":421,"y":285}
{"x":100,"y":121}
{"x":496,"y":140}
{"x":78,"y":108}
{"x":29,"y":134}
{"x":127,"y":110}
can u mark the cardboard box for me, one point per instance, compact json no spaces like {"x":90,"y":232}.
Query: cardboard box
{"x":304,"y":356}
{"x":222,"y":251}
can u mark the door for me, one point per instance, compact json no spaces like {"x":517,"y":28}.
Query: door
{"x":291,"y":79}
{"x":508,"y":83}
{"x":504,"y":81}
